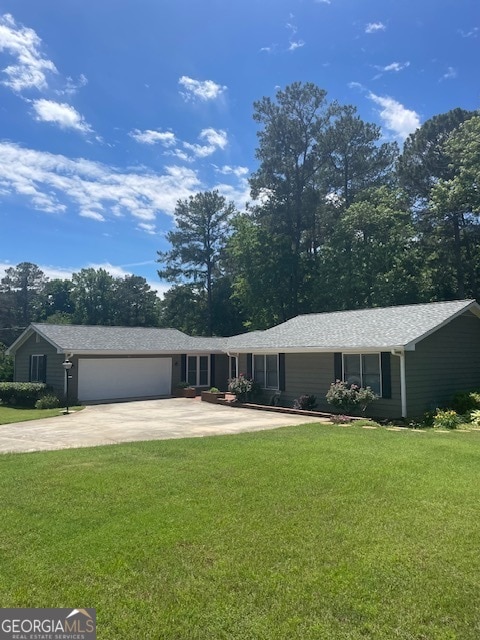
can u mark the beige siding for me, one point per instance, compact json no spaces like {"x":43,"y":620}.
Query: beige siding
{"x":444,"y":363}
{"x":35,"y":345}
{"x":312,"y":374}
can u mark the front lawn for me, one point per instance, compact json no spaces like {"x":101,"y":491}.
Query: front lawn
{"x":316,"y":532}
{"x":15,"y":414}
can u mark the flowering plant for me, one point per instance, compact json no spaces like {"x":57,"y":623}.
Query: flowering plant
{"x":347,"y":397}
{"x":241,"y":387}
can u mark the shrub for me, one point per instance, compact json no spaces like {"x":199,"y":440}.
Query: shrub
{"x":242,"y":387}
{"x":305,"y":402}
{"x":6,"y":365}
{"x":22,"y":394}
{"x":346,"y":398}
{"x":183,"y":385}
{"x":49,"y":401}
{"x":475,"y":417}
{"x":446,"y":419}
{"x":465,"y":402}
{"x":214,"y":390}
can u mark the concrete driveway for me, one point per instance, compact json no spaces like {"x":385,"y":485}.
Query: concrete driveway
{"x":143,"y":420}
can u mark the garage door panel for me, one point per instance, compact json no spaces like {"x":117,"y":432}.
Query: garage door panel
{"x":115,"y":378}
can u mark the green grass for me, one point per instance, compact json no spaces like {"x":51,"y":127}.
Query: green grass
{"x":16,"y":414}
{"x":313,"y":532}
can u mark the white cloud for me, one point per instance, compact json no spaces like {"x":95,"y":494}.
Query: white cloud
{"x":148,"y":228}
{"x":323,"y":1}
{"x":396,"y":118}
{"x":356,"y":85}
{"x":203,"y":90}
{"x":72,"y":86}
{"x":395,"y":66}
{"x":296,"y":45}
{"x":61,"y":114}
{"x":215,"y":139}
{"x":473,"y":33}
{"x":373,"y":27}
{"x":151,"y":136}
{"x":450,"y":74}
{"x":226,"y":170}
{"x":93,"y":215}
{"x":55,"y":183}
{"x":271,"y":49}
{"x":31,"y":68}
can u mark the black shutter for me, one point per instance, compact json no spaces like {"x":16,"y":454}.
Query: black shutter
{"x":386,"y":374}
{"x":30,"y":368}
{"x":337,"y":366}
{"x":249,"y":365}
{"x":183,"y":368}
{"x":281,"y":371}
{"x":42,"y":374}
{"x":212,"y":370}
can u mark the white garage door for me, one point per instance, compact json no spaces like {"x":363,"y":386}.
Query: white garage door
{"x":115,"y":378}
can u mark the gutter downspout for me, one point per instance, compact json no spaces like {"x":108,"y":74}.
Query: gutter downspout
{"x":403,"y":380}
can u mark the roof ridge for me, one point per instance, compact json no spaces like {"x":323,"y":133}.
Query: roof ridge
{"x":393,"y":306}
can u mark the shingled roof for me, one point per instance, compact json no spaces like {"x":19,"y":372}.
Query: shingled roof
{"x":95,"y":339}
{"x":372,"y":329}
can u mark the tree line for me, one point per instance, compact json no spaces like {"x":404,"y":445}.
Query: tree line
{"x":339,"y":219}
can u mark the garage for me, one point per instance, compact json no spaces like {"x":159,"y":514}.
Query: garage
{"x":117,"y":378}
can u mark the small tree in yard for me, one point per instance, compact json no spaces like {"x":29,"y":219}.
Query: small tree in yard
{"x":346,"y":398}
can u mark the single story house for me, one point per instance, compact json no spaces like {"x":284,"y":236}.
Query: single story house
{"x":415,"y":357}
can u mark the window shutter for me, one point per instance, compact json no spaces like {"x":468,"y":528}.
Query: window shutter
{"x":281,"y":371}
{"x":183,"y":367}
{"x":249,"y":365}
{"x":337,"y":366}
{"x":386,"y":374}
{"x":212,"y":370}
{"x":42,"y":374}
{"x":30,"y":368}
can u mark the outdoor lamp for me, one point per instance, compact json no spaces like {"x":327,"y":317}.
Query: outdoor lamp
{"x":67,"y":365}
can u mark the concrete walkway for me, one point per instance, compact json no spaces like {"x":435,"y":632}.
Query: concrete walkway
{"x":143,"y":420}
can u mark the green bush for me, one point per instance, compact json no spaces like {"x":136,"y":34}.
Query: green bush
{"x":22,"y":394}
{"x":465,"y":402}
{"x":183,"y":385}
{"x":6,"y":365}
{"x":49,"y":401}
{"x":446,"y":419}
{"x":214,"y":390}
{"x":475,"y":418}
{"x":305,"y":403}
{"x":346,"y":398}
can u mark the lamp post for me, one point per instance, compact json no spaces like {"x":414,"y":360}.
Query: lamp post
{"x":67,"y":365}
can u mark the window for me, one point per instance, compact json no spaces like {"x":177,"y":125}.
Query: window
{"x":363,"y":370}
{"x":233,"y":367}
{"x":265,"y":370}
{"x":198,"y":371}
{"x":38,"y":368}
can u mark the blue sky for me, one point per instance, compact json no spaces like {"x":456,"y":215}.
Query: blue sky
{"x":110,"y":111}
